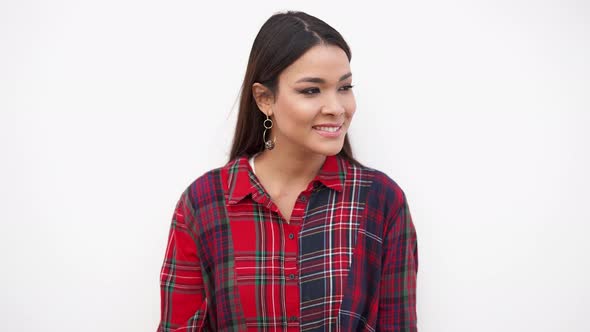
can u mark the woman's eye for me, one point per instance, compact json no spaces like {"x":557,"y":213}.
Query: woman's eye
{"x":310,"y":91}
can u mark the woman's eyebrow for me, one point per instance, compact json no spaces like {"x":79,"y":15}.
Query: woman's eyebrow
{"x":321,"y":80}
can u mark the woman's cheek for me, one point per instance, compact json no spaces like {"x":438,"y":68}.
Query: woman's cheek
{"x":351,"y":108}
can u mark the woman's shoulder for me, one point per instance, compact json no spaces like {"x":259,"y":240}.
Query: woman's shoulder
{"x":207,"y":186}
{"x":212,"y":184}
{"x":382,"y":186}
{"x":378,"y":177}
{"x":208,"y":179}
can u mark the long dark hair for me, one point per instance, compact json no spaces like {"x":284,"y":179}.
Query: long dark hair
{"x":282,"y":39}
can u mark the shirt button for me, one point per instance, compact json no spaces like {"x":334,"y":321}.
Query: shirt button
{"x":291,"y":236}
{"x":303,"y":198}
{"x":293,"y":318}
{"x":291,"y":276}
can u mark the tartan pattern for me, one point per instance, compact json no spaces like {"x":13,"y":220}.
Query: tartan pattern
{"x":346,"y":261}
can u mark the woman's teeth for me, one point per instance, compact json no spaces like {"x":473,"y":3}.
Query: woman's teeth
{"x":330,"y":129}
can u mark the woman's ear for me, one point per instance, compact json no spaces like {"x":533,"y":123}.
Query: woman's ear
{"x":263,"y":98}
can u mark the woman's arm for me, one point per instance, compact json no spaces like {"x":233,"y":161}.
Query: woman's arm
{"x":183,"y":300}
{"x":397,"y":302}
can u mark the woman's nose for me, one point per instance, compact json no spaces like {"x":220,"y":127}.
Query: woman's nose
{"x":333,"y":105}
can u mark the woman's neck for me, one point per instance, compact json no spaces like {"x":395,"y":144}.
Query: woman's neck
{"x":282,"y":169}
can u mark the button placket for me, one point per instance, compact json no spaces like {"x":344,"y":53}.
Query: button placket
{"x":291,"y":272}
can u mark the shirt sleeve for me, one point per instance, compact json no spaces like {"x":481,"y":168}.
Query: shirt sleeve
{"x":397,"y":301}
{"x":183,"y":300}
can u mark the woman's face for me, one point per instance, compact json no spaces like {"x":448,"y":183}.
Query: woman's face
{"x":315,"y":103}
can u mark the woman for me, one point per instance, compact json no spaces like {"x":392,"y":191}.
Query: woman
{"x":292,"y":234}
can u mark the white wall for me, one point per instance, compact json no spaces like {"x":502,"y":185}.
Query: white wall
{"x":480,"y":110}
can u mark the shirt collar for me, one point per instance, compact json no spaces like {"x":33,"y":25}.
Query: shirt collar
{"x":242,"y":181}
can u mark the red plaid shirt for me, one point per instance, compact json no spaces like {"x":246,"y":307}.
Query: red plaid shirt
{"x":346,"y":261}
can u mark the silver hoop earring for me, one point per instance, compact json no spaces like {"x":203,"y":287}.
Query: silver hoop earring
{"x":269,"y":145}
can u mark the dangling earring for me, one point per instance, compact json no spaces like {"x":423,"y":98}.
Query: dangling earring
{"x":269,"y":145}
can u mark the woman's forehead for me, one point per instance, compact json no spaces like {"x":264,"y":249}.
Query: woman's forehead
{"x":321,"y":63}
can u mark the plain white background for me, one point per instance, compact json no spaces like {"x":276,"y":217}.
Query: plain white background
{"x":480,"y":110}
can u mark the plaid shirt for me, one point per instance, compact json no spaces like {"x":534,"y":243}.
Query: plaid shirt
{"x":346,"y":261}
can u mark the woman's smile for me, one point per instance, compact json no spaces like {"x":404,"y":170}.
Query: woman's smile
{"x":330,"y":131}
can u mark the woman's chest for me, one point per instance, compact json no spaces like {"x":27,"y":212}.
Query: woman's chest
{"x":295,"y":273}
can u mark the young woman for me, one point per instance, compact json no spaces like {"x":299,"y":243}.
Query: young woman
{"x":292,"y":234}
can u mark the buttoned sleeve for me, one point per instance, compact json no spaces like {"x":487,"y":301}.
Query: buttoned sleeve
{"x":397,"y":295}
{"x":183,"y":300}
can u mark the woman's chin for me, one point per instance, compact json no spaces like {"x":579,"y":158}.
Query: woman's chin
{"x":328,"y":149}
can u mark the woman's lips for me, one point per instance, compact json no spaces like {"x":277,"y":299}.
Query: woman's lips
{"x":328,"y":131}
